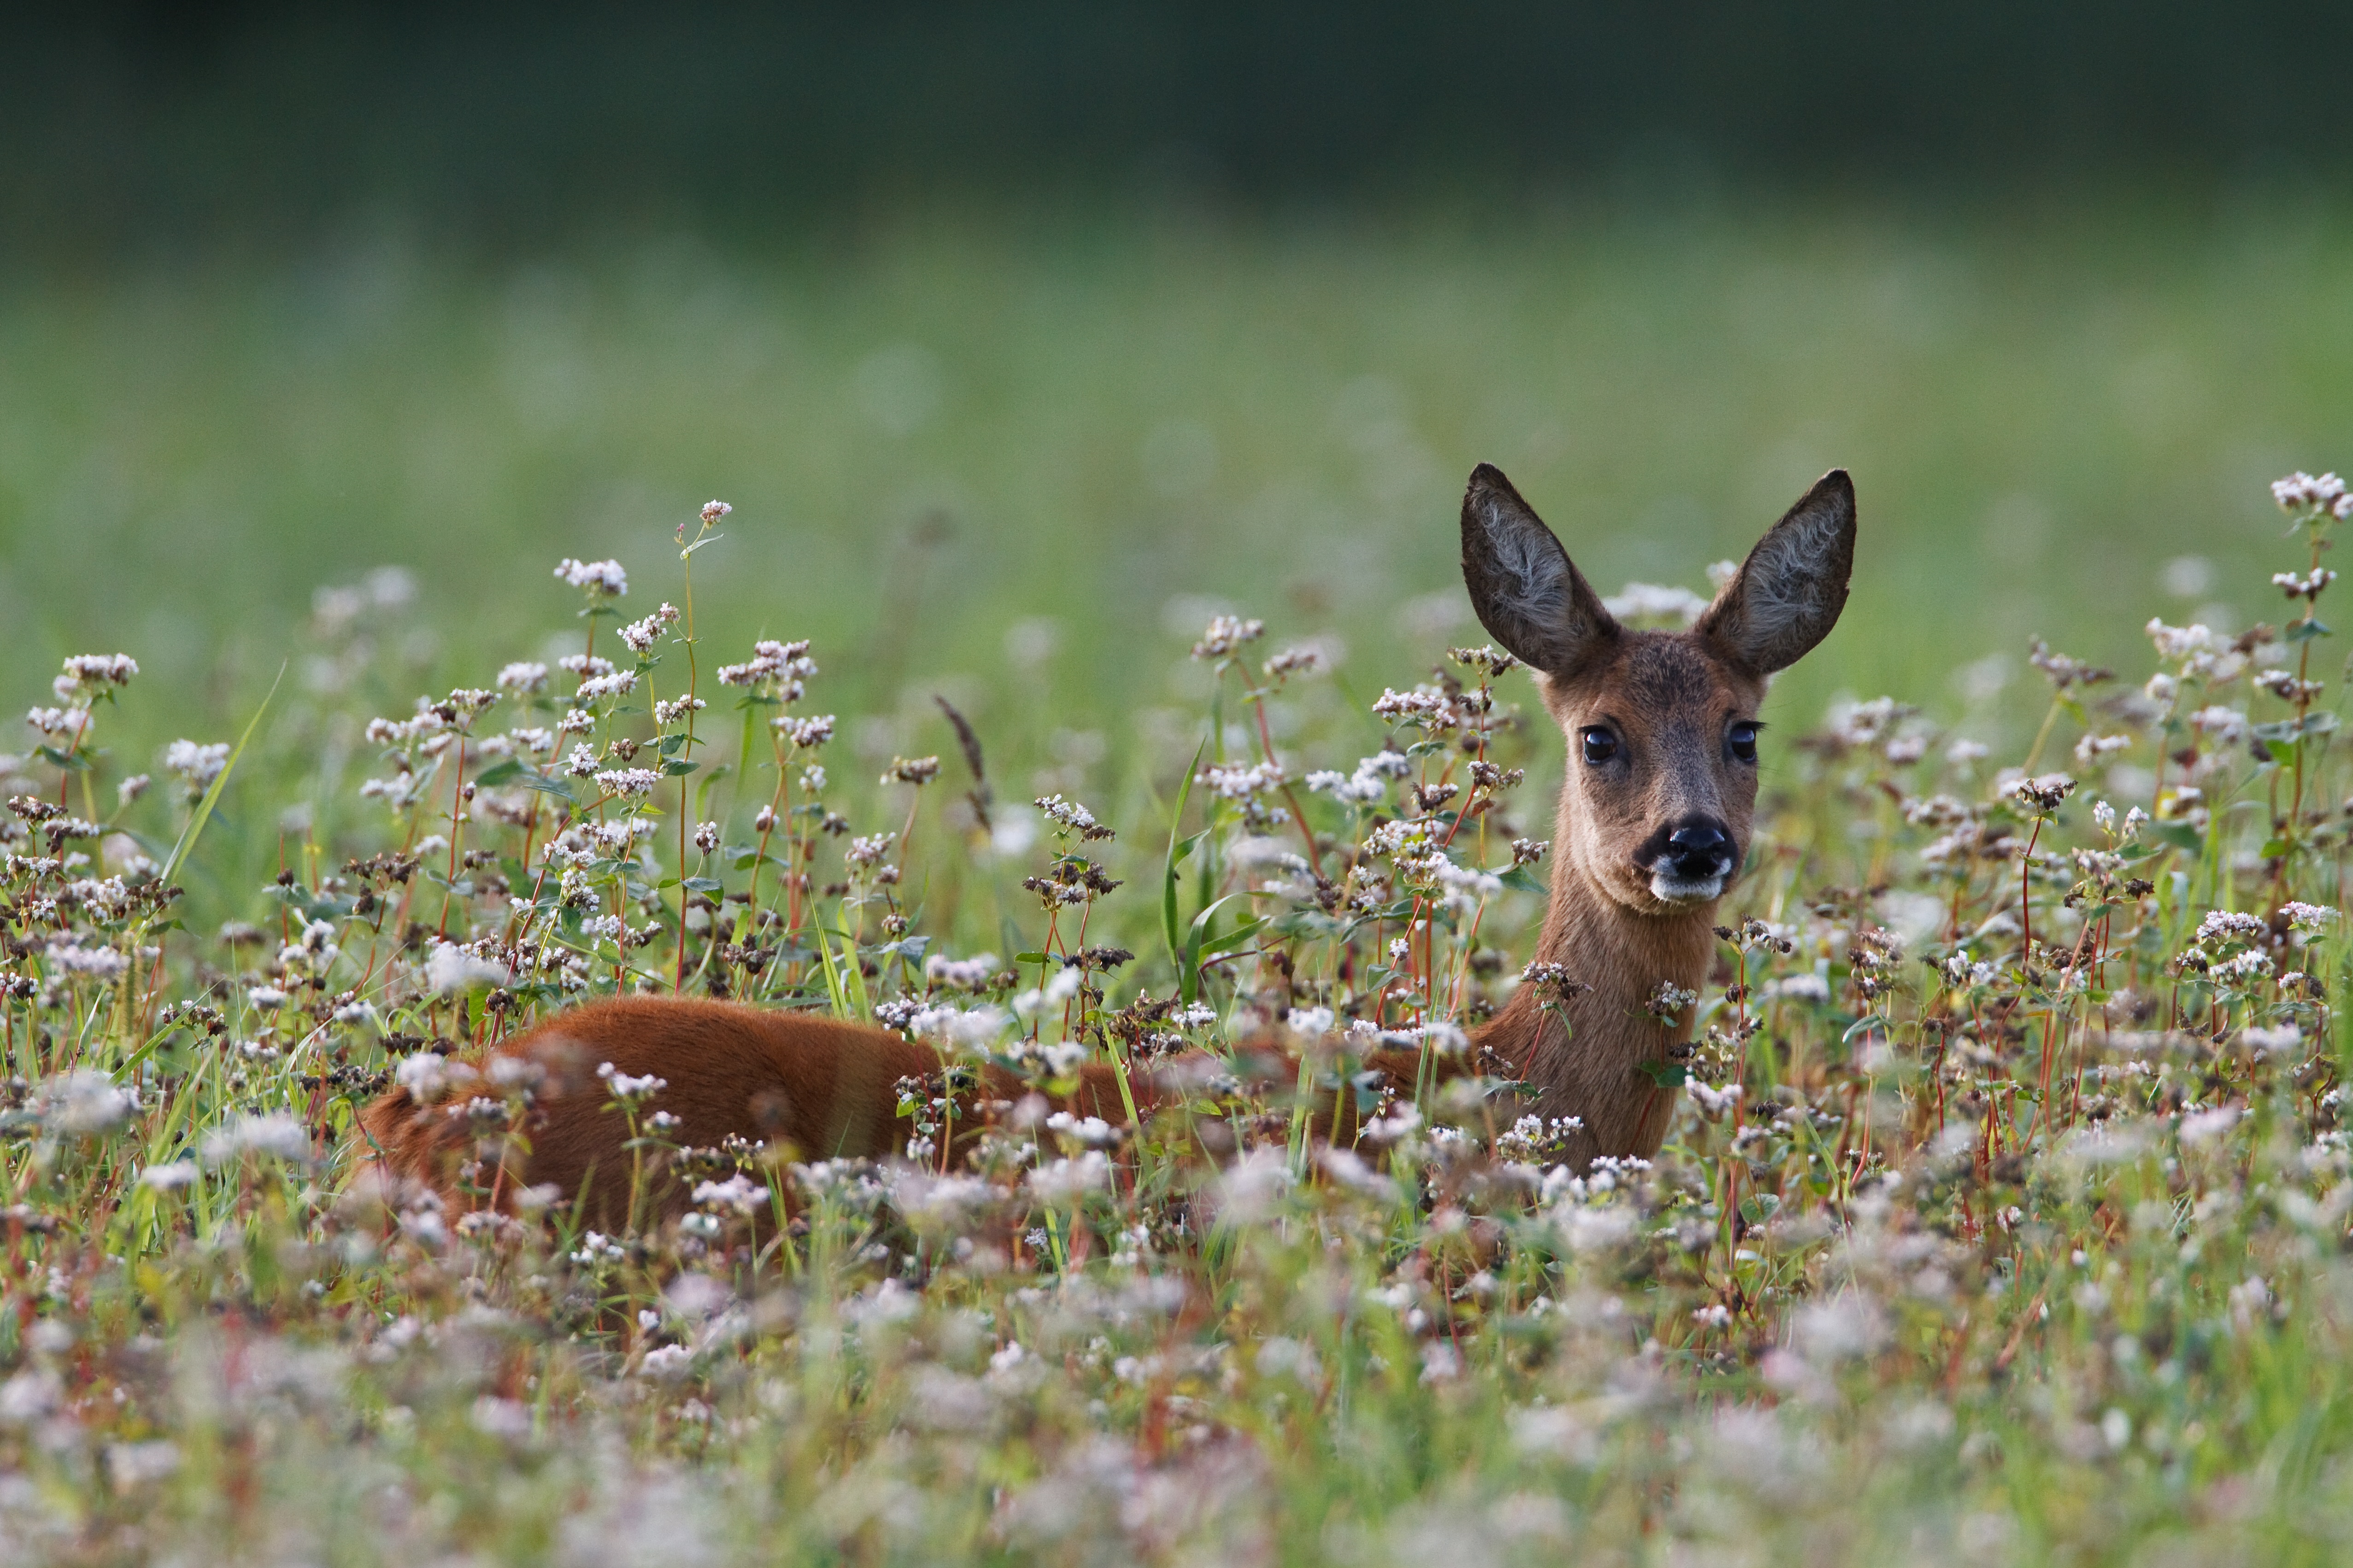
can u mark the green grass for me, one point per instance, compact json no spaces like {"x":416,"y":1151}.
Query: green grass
{"x":1974,"y":1311}
{"x":952,"y":422}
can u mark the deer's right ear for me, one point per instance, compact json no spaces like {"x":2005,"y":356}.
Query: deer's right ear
{"x":1527,"y":592}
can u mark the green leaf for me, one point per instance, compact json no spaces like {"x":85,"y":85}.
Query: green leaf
{"x":2178,"y":835}
{"x":1177,"y":851}
{"x":547,"y":785}
{"x":1666,"y":1074}
{"x":674,"y":768}
{"x":2305,"y":630}
{"x":71,"y":762}
{"x":503,"y":771}
{"x":1523,"y":878}
{"x":1189,"y":952}
{"x":703,"y":885}
{"x":1029,"y":958}
{"x":1232,"y":939}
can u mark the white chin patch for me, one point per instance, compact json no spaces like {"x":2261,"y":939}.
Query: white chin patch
{"x":1676,"y":891}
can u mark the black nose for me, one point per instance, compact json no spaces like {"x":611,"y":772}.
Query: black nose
{"x":1700,"y":851}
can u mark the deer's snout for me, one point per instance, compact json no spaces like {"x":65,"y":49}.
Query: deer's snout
{"x":1690,"y":861}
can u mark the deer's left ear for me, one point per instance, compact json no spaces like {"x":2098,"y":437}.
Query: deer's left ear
{"x":1788,"y":593}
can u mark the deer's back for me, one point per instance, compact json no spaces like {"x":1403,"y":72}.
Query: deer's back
{"x":824,"y":1087}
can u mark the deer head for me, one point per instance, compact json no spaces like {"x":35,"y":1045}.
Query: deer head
{"x":1655,"y":811}
{"x":1662,"y":726}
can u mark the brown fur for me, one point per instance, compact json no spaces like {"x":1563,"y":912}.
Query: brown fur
{"x":825,"y":1088}
{"x":816,"y":1087}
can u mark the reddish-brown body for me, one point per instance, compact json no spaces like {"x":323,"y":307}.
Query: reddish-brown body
{"x":817,"y":1088}
{"x":1652,"y":827}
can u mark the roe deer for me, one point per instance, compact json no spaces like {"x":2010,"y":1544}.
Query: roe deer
{"x":1652,"y":826}
{"x":1661,"y":783}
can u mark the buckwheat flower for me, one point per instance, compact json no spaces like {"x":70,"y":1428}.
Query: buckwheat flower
{"x":99,"y":962}
{"x":2105,"y":816}
{"x":196,"y":764}
{"x":1528,"y":851}
{"x":608,"y":927}
{"x":629,"y":782}
{"x":277,"y":1135}
{"x":1667,"y":1002}
{"x":868,"y":850}
{"x":581,"y":762}
{"x":170,"y":1177}
{"x":96,"y":670}
{"x":2296,"y":587}
{"x":713,"y":510}
{"x":1714,"y":1102}
{"x":1236,"y":781}
{"x":2225,"y":725}
{"x":813,"y":780}
{"x":1649,"y":600}
{"x":626,"y":1089}
{"x":523,"y":676}
{"x":1421,"y":704}
{"x":83,"y":1103}
{"x":1963,"y":751}
{"x":2043,"y":792}
{"x":450,"y":968}
{"x":130,"y":789}
{"x":1302,"y":660}
{"x":2306,"y":917}
{"x":2229,"y":925}
{"x":1226,"y":634}
{"x":738,"y":1192}
{"x":619,"y":684}
{"x":641,"y":636}
{"x":972,"y":973}
{"x":2092,"y":747}
{"x":603,"y":579}
{"x":765,"y":819}
{"x":2300,"y":491}
{"x":585,"y":664}
{"x":73,"y":722}
{"x":706,"y":837}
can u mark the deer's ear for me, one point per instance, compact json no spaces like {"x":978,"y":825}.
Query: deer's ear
{"x":1788,"y":593}
{"x":1527,"y":592}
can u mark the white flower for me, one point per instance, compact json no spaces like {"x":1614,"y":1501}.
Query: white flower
{"x":84,"y":1103}
{"x":277,"y":1135}
{"x":450,"y":968}
{"x":1226,"y":634}
{"x":598,"y":577}
{"x":104,"y":963}
{"x":1066,"y":1181}
{"x":523,"y":676}
{"x":1650,"y":602}
{"x":169,"y":1177}
{"x":960,"y":975}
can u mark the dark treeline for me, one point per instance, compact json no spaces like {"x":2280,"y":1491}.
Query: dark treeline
{"x":154,"y":122}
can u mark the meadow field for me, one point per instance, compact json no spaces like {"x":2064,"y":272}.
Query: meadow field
{"x":2005,"y":1216}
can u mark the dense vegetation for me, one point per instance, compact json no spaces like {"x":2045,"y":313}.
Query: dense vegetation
{"x":2004,"y":1216}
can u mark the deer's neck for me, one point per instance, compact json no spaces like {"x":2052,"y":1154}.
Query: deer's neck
{"x":1585,"y":1056}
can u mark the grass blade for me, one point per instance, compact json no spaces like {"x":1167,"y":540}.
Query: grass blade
{"x":204,"y":811}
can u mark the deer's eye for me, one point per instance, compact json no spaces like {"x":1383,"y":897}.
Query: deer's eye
{"x":1742,"y":738}
{"x":1601,"y":745}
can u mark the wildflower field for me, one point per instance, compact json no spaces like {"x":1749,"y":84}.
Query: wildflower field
{"x":2003,"y":1216}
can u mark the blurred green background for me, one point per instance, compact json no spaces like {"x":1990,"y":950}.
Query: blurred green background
{"x":1021,"y":338}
